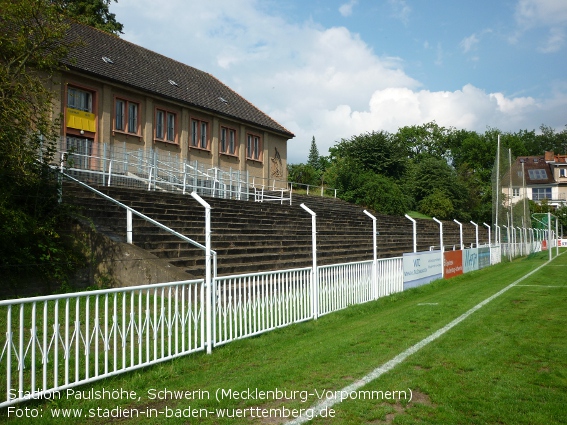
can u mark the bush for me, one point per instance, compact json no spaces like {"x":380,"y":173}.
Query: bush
{"x":437,"y":205}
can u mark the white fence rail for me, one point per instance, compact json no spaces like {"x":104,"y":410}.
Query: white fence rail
{"x":251,"y":304}
{"x":117,"y":165}
{"x":342,"y":285}
{"x":56,"y":342}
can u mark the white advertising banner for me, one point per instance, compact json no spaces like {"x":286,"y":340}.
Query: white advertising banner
{"x":422,"y":267}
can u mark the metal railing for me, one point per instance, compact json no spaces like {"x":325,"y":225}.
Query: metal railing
{"x":149,"y":169}
{"x":56,"y":342}
{"x":131,"y":211}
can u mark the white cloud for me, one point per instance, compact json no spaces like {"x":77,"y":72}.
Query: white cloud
{"x":346,"y":9}
{"x":469,"y":43}
{"x":322,"y":82}
{"x":530,"y":13}
{"x":555,"y":41}
{"x":551,"y":14}
{"x":400,"y":10}
{"x":470,"y":108}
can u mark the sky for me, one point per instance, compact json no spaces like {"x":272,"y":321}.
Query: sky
{"x":333,"y":69}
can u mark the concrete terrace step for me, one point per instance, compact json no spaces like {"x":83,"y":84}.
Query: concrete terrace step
{"x":251,"y":236}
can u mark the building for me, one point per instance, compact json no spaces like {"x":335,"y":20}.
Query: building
{"x":121,"y":95}
{"x":537,"y":178}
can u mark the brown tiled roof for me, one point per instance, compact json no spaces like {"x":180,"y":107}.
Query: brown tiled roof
{"x":135,"y":66}
{"x":530,"y":163}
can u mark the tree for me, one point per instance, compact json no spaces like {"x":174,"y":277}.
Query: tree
{"x":437,"y":204}
{"x":313,"y":159}
{"x":426,"y":140}
{"x":31,"y":49}
{"x":378,"y":152}
{"x":303,"y":174}
{"x":94,"y":13}
{"x":364,"y":187}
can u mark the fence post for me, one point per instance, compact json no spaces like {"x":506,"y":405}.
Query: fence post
{"x":375,"y":287}
{"x":460,"y":233}
{"x":549,"y":236}
{"x":129,"y":226}
{"x":488,"y":227}
{"x":314,"y":272}
{"x":556,"y":237}
{"x":442,"y":248}
{"x":414,"y":232}
{"x":476,"y":231}
{"x":208,"y":289}
{"x":109,"y":172}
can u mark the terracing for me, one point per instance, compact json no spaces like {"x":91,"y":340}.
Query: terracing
{"x":253,"y":237}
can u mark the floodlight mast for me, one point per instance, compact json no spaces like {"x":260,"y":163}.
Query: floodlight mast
{"x":497,"y":187}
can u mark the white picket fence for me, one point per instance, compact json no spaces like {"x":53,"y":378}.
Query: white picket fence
{"x":56,"y":342}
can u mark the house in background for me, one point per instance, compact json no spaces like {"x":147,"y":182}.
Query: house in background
{"x":119,"y":95}
{"x":538,"y":178}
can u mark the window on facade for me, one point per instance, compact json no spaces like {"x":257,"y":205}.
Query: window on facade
{"x":228,"y":141}
{"x":253,"y":147}
{"x":199,"y":134}
{"x":541,"y":193}
{"x":133,"y":117}
{"x":562,"y":172}
{"x":79,"y":99}
{"x":538,"y":174}
{"x":165,"y":125}
{"x":126,"y":116}
{"x":516,"y":191}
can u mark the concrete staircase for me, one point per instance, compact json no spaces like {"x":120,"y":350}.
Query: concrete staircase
{"x":250,"y":237}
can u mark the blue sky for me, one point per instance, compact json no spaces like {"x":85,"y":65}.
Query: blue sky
{"x":334,"y":69}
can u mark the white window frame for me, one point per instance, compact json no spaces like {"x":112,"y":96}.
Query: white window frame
{"x":537,"y":194}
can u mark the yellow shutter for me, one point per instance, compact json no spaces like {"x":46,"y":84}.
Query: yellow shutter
{"x":80,"y":120}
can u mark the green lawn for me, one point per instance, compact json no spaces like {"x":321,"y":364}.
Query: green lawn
{"x":505,"y":364}
{"x":415,"y":214}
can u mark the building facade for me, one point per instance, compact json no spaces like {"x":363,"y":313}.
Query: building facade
{"x":116,"y":93}
{"x":537,"y":178}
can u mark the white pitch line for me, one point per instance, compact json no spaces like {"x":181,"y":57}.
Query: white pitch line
{"x":386,"y":367}
{"x":544,"y":286}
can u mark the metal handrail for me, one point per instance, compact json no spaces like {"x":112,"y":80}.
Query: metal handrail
{"x":145,"y":217}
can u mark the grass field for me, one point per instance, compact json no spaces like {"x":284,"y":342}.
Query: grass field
{"x":504,"y":364}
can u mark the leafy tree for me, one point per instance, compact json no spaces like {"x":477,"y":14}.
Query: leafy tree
{"x":304,"y":174}
{"x":549,"y":140}
{"x":94,"y":13}
{"x":364,"y":187}
{"x":432,"y":174}
{"x":423,"y":141}
{"x":378,"y":152}
{"x":437,"y":204}
{"x":313,"y":159}
{"x":31,"y":48}
{"x":561,"y":214}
